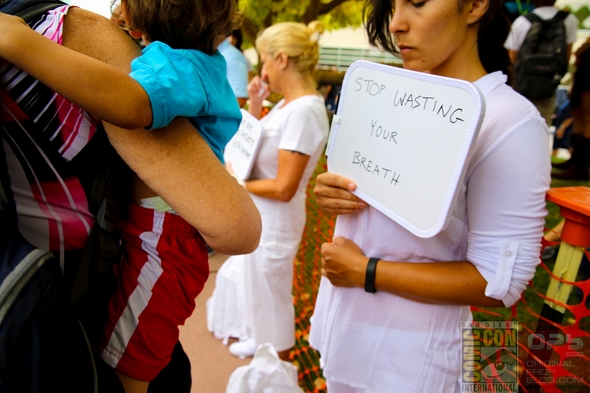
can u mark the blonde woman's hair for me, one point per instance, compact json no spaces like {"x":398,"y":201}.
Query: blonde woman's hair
{"x":296,"y":40}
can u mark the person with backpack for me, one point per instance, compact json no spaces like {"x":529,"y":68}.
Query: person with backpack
{"x":540,"y":45}
{"x":53,"y":147}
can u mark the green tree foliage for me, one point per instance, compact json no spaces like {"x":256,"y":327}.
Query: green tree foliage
{"x":334,"y":13}
{"x":582,"y":14}
{"x":348,"y":14}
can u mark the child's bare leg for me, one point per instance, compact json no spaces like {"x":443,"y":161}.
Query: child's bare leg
{"x":132,"y":385}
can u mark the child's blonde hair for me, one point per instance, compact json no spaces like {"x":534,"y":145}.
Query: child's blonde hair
{"x":296,"y":40}
{"x":184,"y":24}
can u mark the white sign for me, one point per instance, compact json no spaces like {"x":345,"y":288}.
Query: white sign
{"x":403,"y":137}
{"x":241,"y":150}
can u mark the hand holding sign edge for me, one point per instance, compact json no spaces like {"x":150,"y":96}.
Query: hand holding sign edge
{"x":334,"y":195}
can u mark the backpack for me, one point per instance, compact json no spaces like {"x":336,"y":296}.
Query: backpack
{"x":541,"y":61}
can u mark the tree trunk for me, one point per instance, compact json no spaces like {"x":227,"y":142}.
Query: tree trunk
{"x":312,"y":11}
{"x":249,"y":30}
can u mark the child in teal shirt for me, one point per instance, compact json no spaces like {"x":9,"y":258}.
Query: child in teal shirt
{"x":180,"y":73}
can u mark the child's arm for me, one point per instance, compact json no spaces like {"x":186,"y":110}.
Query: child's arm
{"x":103,"y":90}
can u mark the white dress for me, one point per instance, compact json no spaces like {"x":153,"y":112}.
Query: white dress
{"x":384,"y":343}
{"x":300,"y":126}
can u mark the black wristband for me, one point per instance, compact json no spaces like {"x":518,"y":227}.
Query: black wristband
{"x":370,"y":275}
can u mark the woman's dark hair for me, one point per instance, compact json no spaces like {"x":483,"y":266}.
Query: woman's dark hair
{"x":377,"y":15}
{"x":581,"y":78}
{"x":237,"y":35}
{"x":493,"y":31}
{"x":184,"y":24}
{"x":494,"y":28}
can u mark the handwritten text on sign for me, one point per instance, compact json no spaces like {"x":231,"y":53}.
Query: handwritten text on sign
{"x":242,"y":148}
{"x":403,"y":138}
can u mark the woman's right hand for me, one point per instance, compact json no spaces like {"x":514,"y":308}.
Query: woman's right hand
{"x":258,"y":90}
{"x":334,"y":195}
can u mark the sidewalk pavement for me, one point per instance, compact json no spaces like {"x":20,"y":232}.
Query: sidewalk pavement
{"x":211,"y":362}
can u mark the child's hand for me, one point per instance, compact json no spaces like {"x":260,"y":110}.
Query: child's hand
{"x":6,"y":21}
{"x":10,"y":24}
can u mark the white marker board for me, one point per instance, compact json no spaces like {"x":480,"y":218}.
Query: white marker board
{"x":404,"y":137}
{"x":241,"y":150}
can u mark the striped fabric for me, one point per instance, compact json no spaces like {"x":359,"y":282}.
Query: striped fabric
{"x":42,"y":134}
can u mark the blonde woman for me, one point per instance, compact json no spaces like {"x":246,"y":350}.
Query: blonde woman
{"x":294,"y":136}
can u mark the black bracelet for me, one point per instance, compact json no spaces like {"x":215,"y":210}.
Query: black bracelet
{"x":370,"y":275}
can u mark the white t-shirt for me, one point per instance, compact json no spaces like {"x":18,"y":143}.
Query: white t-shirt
{"x":386,"y":343}
{"x":521,"y":26}
{"x":300,"y":126}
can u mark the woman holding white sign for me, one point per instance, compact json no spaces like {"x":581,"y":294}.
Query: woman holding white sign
{"x":293,"y":137}
{"x":390,"y":305}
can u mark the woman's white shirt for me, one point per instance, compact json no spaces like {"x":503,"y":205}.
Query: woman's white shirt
{"x":382,"y":341}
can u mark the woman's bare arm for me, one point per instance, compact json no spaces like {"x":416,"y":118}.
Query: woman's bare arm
{"x":175,"y":162}
{"x":104,"y":91}
{"x":178,"y":164}
{"x":290,"y":170}
{"x":344,"y":264}
{"x":455,"y":282}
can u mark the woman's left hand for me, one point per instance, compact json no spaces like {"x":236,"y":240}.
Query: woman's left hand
{"x":344,"y":263}
{"x":334,"y":195}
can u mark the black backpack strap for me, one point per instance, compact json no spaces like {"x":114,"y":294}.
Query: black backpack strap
{"x":561,"y":15}
{"x":532,"y":17}
{"x":28,"y":10}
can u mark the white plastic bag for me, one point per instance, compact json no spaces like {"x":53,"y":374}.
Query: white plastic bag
{"x":225,"y":311}
{"x":266,"y":373}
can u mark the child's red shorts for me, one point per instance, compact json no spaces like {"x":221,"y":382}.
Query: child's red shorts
{"x":163,"y":269}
